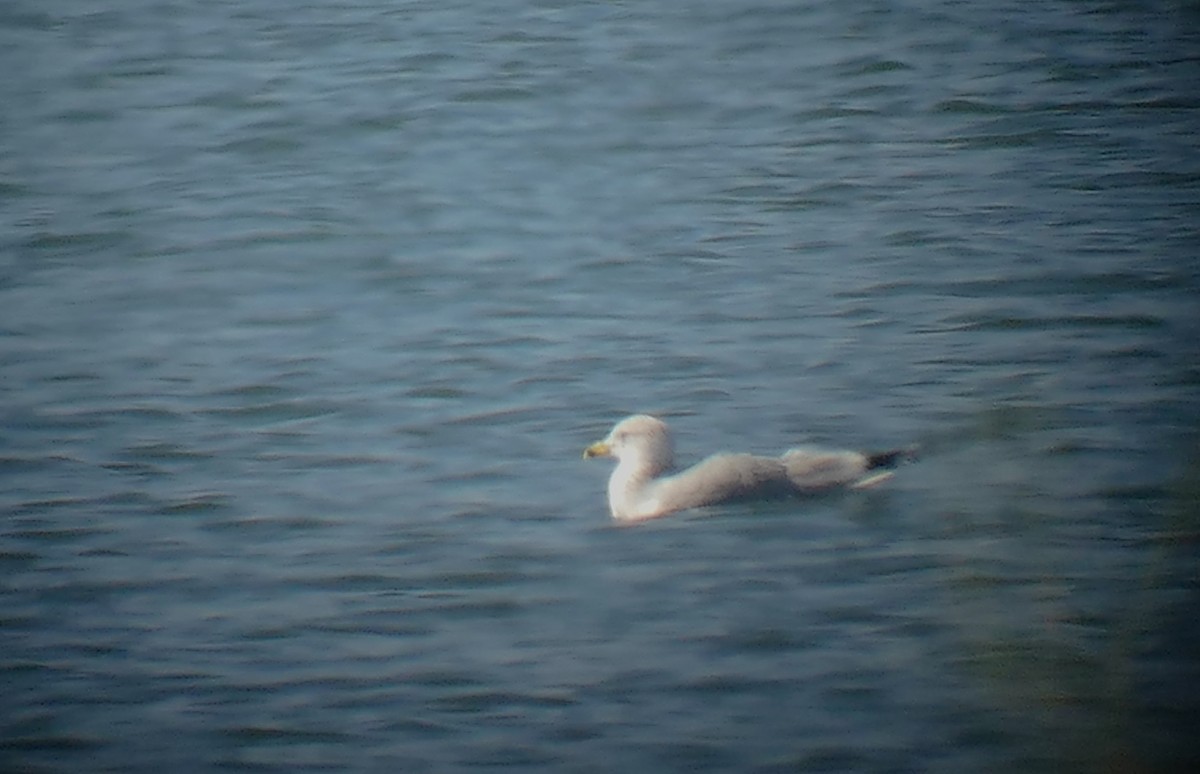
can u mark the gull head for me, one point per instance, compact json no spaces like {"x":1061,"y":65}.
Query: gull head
{"x":640,"y":443}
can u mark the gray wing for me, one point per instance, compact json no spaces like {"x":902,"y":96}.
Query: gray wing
{"x":719,"y":479}
{"x":811,"y":470}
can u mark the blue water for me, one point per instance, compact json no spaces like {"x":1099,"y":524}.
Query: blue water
{"x":307,"y":311}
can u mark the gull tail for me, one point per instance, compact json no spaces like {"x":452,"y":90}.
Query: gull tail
{"x":882,"y":463}
{"x":890,"y":459}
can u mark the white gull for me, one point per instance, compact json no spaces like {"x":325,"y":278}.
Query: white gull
{"x":641,"y":486}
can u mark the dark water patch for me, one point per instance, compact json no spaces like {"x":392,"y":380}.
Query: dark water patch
{"x":276,"y":411}
{"x":146,"y":413}
{"x":235,"y":101}
{"x":870,"y":66}
{"x":437,"y":393}
{"x":474,"y":701}
{"x":254,"y":147}
{"x":827,"y":758}
{"x":755,"y":192}
{"x":101,"y":650}
{"x":1002,"y":322}
{"x":269,"y":633}
{"x":484,"y":701}
{"x":15,"y":466}
{"x":1071,"y":447}
{"x":164,"y":451}
{"x":70,"y":419}
{"x":730,"y":684}
{"x":421,"y":727}
{"x":494,"y":417}
{"x":352,"y":581}
{"x":135,"y":68}
{"x":19,"y":668}
{"x":919,"y":237}
{"x":478,"y":605}
{"x":858,"y":693}
{"x":969,"y":107}
{"x":833,"y":194}
{"x":695,"y":756}
{"x":281,"y":319}
{"x":444,"y":678}
{"x":876,"y":91}
{"x":252,"y":391}
{"x":137,"y":469}
{"x":16,"y":623}
{"x":625,"y":683}
{"x":105,"y":553}
{"x":284,"y":735}
{"x":1133,"y":353}
{"x":75,"y":243}
{"x":277,"y":237}
{"x":70,"y":377}
{"x":1046,"y":671}
{"x":1134,"y":179}
{"x":199,"y":503}
{"x":1133,"y":493}
{"x":58,"y":534}
{"x":507,"y":755}
{"x":1173,"y":103}
{"x":264,"y":523}
{"x":497,"y":94}
{"x":475,"y":579}
{"x":993,"y":578}
{"x":1179,"y":536}
{"x":385,"y":124}
{"x":47,"y":505}
{"x":101,"y":591}
{"x":51,"y":743}
{"x":16,"y":557}
{"x":84,"y":511}
{"x":1056,"y":283}
{"x":827,"y":112}
{"x":1016,"y":138}
{"x":491,"y":473}
{"x":17,"y":17}
{"x":331,"y":461}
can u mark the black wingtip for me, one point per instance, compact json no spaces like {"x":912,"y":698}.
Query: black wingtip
{"x":890,"y":459}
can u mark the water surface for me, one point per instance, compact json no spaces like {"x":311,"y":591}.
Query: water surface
{"x":307,"y":311}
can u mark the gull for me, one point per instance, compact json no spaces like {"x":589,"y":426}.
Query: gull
{"x":641,"y":487}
